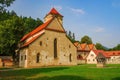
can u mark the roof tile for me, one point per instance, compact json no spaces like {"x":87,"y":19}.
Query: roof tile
{"x":39,"y":28}
{"x":102,"y":52}
{"x":54,"y":11}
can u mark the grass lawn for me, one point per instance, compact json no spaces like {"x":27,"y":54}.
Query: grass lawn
{"x":80,"y":72}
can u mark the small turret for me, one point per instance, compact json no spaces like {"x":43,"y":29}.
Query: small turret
{"x":53,"y":13}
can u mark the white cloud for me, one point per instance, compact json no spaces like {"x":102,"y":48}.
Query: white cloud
{"x":78,"y":11}
{"x":99,"y":29}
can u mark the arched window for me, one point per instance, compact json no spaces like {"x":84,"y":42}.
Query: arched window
{"x":70,"y":57}
{"x":37,"y":57}
{"x":55,"y":48}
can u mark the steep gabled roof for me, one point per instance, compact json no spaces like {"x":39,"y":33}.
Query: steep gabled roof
{"x":91,"y":46}
{"x":39,"y":28}
{"x":83,"y":46}
{"x":76,"y":44}
{"x":54,"y":11}
{"x":98,"y":51}
{"x":33,"y":35}
{"x":31,"y":40}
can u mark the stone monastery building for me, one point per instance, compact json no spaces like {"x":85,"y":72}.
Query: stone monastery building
{"x":47,"y":44}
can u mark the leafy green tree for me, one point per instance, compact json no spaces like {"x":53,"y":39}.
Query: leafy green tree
{"x":31,"y":23}
{"x":11,"y":31}
{"x":116,"y":47}
{"x":99,"y":46}
{"x":86,"y":39}
{"x":5,"y":3}
{"x":13,"y":27}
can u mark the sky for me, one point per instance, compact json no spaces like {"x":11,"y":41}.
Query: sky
{"x":99,"y":19}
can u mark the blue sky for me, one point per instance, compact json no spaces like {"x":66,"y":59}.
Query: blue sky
{"x":99,"y":19}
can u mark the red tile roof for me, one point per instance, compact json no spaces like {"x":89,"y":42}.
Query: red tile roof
{"x":31,"y":40}
{"x":83,"y":46}
{"x":76,"y":44}
{"x":32,"y":36}
{"x":91,"y":46}
{"x":54,"y":11}
{"x":102,"y":52}
{"x":39,"y":28}
{"x":113,"y":53}
{"x":98,"y":51}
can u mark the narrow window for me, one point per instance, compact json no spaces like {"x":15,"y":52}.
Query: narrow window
{"x":55,"y":48}
{"x":21,"y":58}
{"x":38,"y":58}
{"x":25,"y":57}
{"x":40,"y":43}
{"x":69,"y":46}
{"x":70,"y":57}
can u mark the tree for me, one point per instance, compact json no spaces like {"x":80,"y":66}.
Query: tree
{"x":71,"y":36}
{"x":5,"y":3}
{"x":31,"y":24}
{"x":116,"y":47}
{"x":12,"y":28}
{"x":74,"y":36}
{"x":99,"y":46}
{"x":86,"y":39}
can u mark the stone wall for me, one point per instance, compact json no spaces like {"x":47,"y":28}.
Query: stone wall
{"x":46,"y":50}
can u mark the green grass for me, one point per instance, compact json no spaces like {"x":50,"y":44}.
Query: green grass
{"x":80,"y":72}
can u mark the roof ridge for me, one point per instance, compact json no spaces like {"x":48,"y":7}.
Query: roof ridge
{"x":54,"y":11}
{"x":39,"y":28}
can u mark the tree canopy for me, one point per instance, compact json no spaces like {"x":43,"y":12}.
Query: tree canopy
{"x":99,"y":46}
{"x":71,"y":36}
{"x":5,"y":3}
{"x":116,"y":47}
{"x":12,"y":28}
{"x":86,"y":39}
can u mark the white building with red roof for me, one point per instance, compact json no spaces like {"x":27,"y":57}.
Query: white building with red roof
{"x":114,"y":57}
{"x":83,"y":51}
{"x":91,"y":58}
{"x":47,"y":44}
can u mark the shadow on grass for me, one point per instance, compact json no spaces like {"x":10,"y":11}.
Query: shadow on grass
{"x":117,"y":78}
{"x":22,"y":73}
{"x":61,"y":77}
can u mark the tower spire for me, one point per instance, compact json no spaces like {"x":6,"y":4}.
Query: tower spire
{"x":53,"y":13}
